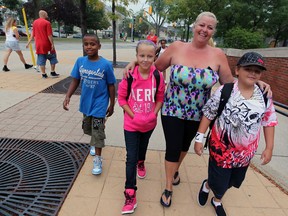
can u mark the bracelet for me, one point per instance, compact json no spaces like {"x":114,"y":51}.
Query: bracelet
{"x":199,"y":137}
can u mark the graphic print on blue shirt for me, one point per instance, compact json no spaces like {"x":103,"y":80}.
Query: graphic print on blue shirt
{"x":95,"y":77}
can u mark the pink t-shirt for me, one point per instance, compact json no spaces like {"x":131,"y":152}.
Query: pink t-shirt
{"x":141,"y":101}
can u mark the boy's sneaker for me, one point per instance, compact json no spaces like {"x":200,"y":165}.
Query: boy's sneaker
{"x":27,"y":66}
{"x":141,"y":170}
{"x":202,"y":196}
{"x":97,"y":165}
{"x":92,"y":150}
{"x":44,"y":76}
{"x":130,"y":201}
{"x":5,"y":68}
{"x":54,"y":74}
{"x":218,"y":209}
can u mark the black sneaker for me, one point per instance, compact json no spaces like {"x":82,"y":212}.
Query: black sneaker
{"x":54,"y":74}
{"x":5,"y":68}
{"x":218,"y":209}
{"x":27,"y":66}
{"x":202,"y":196}
{"x":44,"y":76}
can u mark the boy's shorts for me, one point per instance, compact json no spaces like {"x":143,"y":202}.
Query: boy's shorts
{"x":221,"y":179}
{"x":14,"y":45}
{"x":94,"y":127}
{"x":42,"y":58}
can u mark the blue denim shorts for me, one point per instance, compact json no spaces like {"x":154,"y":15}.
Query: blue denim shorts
{"x":42,"y":58}
{"x":14,"y":45}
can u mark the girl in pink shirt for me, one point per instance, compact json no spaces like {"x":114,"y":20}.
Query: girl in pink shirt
{"x":140,"y":107}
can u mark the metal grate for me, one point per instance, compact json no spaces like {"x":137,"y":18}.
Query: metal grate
{"x":62,"y":86}
{"x":35,"y":176}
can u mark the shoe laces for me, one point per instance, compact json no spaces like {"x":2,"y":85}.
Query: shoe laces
{"x":141,"y":166}
{"x":129,"y":199}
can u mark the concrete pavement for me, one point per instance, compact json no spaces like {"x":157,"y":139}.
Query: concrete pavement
{"x":26,"y":113}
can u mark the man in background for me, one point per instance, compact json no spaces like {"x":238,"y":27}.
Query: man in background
{"x":42,"y":32}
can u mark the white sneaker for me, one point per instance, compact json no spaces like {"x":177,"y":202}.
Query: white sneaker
{"x":97,"y":165}
{"x":92,"y":150}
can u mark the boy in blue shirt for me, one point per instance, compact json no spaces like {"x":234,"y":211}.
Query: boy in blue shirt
{"x":97,"y":85}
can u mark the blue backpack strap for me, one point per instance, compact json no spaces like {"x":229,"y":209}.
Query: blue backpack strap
{"x":225,"y":95}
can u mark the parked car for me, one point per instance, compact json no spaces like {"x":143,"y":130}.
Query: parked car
{"x":77,"y":35}
{"x":56,"y":34}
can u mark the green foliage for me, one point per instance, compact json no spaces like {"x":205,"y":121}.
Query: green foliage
{"x":243,"y":39}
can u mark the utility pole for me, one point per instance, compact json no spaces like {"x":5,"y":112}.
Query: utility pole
{"x":132,"y":29}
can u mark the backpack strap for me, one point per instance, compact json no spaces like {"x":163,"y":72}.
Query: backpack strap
{"x":264,"y":96}
{"x":225,"y":95}
{"x":129,"y":82}
{"x":157,"y":77}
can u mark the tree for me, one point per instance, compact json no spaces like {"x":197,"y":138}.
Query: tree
{"x":160,"y":10}
{"x":114,"y":17}
{"x":12,"y":4}
{"x":277,"y":25}
{"x":243,"y":39}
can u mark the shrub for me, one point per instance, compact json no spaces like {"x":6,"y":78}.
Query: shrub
{"x":243,"y":39}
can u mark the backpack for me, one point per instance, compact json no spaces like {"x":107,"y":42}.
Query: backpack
{"x":130,"y":80}
{"x":225,"y":95}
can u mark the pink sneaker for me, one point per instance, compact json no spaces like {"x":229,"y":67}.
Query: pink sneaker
{"x":141,"y":170}
{"x":130,"y":202}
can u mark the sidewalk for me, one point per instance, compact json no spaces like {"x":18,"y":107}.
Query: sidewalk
{"x":26,"y":113}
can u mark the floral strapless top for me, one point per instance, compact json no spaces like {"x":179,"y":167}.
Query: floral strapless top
{"x":188,"y":91}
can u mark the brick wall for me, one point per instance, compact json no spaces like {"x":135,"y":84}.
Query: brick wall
{"x":276,"y":61}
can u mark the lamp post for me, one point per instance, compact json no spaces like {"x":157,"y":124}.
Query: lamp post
{"x":132,"y":29}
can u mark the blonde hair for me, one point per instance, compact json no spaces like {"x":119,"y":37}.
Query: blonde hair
{"x":211,"y":42}
{"x":146,"y":42}
{"x":9,"y":23}
{"x":208,"y":14}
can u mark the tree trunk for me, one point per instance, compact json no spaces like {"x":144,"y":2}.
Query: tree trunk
{"x":114,"y":32}
{"x":187,"y":35}
{"x":83,"y":17}
{"x":284,"y":42}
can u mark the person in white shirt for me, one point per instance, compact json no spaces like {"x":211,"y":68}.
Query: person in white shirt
{"x":12,"y":43}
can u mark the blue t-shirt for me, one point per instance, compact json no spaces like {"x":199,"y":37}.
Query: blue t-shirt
{"x":95,"y":77}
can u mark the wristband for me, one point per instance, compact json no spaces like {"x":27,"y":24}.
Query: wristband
{"x":199,"y":137}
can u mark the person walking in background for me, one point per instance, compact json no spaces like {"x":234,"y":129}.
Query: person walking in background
{"x":159,"y":51}
{"x":236,"y":132}
{"x":152,"y":37}
{"x":97,"y":79}
{"x":141,"y":102}
{"x":195,"y":68}
{"x":45,"y":50}
{"x":12,"y":43}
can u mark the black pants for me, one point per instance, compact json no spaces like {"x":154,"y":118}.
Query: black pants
{"x":136,"y":148}
{"x":221,"y":179}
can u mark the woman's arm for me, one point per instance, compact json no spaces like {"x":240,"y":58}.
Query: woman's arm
{"x":16,"y":33}
{"x":165,"y":59}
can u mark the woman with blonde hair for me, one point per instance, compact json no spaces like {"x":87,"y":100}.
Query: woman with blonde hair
{"x":195,"y":68}
{"x":12,"y":43}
